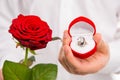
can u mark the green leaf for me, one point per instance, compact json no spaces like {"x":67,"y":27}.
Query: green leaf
{"x":31,"y":58}
{"x":18,"y":44}
{"x":32,"y":51}
{"x":30,"y":61}
{"x":44,"y":72}
{"x":16,"y":71}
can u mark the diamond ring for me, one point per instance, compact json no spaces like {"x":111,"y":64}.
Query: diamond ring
{"x":81,"y":41}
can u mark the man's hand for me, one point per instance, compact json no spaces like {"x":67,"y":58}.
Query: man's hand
{"x":89,"y":65}
{"x":1,"y":76}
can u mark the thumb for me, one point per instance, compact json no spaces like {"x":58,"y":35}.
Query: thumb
{"x":101,"y":45}
{"x":98,"y":38}
{"x":66,"y":38}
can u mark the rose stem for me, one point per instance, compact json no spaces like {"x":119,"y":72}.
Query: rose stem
{"x":26,"y":56}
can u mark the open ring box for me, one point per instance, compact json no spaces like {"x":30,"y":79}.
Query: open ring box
{"x":81,"y":31}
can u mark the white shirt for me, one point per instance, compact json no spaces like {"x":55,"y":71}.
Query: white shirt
{"x":58,"y":14}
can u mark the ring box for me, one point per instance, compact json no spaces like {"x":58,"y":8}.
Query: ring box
{"x":81,"y":31}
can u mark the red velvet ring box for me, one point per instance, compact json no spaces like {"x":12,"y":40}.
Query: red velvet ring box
{"x":81,"y":31}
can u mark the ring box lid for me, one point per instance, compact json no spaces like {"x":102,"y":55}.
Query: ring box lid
{"x":81,"y":25}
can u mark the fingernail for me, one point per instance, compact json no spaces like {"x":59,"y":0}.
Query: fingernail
{"x":65,"y":35}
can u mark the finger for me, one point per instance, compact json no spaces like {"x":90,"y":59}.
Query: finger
{"x":66,"y":64}
{"x":66,"y":38}
{"x":101,"y":45}
{"x":104,"y":48}
{"x":70,"y":58}
{"x":61,"y":55}
{"x":98,"y":40}
{"x":63,"y":61}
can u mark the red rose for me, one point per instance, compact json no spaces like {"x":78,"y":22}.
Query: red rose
{"x":31,"y":31}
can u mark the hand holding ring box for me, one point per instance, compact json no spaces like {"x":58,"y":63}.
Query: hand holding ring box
{"x":81,"y":31}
